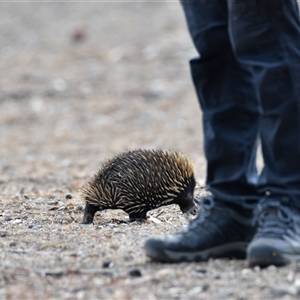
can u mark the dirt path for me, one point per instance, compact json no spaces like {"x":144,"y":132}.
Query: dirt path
{"x":81,"y":82}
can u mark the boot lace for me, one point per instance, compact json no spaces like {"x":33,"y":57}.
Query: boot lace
{"x":206,"y":204}
{"x":276,"y":220}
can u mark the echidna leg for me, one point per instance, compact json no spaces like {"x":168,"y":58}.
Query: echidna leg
{"x":139,"y":216}
{"x":89,"y":213}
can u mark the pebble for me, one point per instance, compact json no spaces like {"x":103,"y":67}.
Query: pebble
{"x":69,"y":196}
{"x":67,"y":220}
{"x":257,"y":268}
{"x":13,"y":244}
{"x":203,"y":271}
{"x":78,"y":34}
{"x":290,"y":276}
{"x":114,"y":246}
{"x":247,"y":274}
{"x":79,"y":207}
{"x":196,"y":290}
{"x":297,"y":282}
{"x":107,"y":264}
{"x":135,"y":273}
{"x":16,"y":221}
{"x":272,"y":268}
{"x":162,"y":274}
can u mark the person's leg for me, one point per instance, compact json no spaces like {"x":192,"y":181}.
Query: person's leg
{"x":266,"y":35}
{"x":229,"y":103}
{"x":230,"y":122}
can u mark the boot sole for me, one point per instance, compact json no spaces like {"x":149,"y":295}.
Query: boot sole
{"x":265,"y":252}
{"x":157,"y":252}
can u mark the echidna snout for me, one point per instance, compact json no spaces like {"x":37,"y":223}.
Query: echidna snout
{"x":138,"y":181}
{"x":185,"y":199}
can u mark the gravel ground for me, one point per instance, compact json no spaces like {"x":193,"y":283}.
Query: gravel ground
{"x":81,"y":82}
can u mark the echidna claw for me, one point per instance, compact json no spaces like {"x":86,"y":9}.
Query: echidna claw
{"x":197,"y":199}
{"x":193,"y":210}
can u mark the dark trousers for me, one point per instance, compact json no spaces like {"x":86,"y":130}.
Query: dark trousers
{"x":247,"y":78}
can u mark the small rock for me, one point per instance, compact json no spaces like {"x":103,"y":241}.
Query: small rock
{"x":79,"y":207}
{"x":53,"y":202}
{"x":114,"y":246}
{"x":16,"y":221}
{"x":205,"y":287}
{"x":59,"y":85}
{"x":66,"y":220}
{"x":155,"y":220}
{"x":281,"y":291}
{"x":162,"y":274}
{"x":196,"y":290}
{"x":297,"y":282}
{"x":25,"y":196}
{"x":247,"y":274}
{"x":69,"y":196}
{"x":290,"y":276}
{"x":272,"y":268}
{"x":107,"y":264}
{"x":54,"y":273}
{"x":30,"y":226}
{"x":128,"y":258}
{"x":13,"y":244}
{"x":78,"y":33}
{"x":135,"y":273}
{"x":257,"y":268}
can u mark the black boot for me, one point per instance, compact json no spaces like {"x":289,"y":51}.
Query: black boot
{"x":277,"y":241}
{"x":217,"y":231}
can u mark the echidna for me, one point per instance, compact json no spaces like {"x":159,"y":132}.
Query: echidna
{"x":138,"y":181}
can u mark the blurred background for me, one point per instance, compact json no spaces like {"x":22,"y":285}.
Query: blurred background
{"x":81,"y":82}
